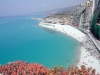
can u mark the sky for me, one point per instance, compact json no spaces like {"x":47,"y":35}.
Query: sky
{"x":18,"y":7}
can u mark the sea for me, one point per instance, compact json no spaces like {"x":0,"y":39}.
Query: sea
{"x":22,"y":39}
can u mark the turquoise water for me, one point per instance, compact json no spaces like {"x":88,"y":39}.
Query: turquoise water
{"x":22,"y":39}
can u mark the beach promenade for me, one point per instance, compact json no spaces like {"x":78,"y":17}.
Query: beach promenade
{"x":89,"y":55}
{"x":96,"y":42}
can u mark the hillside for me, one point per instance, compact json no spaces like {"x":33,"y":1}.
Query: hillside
{"x":59,"y":10}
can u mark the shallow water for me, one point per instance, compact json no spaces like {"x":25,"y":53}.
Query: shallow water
{"x":22,"y":39}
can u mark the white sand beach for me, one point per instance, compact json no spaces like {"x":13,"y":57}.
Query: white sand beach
{"x":69,"y":30}
{"x":88,"y":60}
{"x":85,"y":57}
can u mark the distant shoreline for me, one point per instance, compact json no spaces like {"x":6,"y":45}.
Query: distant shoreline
{"x":36,"y":18}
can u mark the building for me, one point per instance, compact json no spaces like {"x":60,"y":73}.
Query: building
{"x":95,"y":26}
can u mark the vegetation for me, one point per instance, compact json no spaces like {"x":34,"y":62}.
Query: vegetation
{"x":25,"y":68}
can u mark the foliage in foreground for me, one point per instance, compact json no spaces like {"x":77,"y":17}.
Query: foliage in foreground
{"x":25,"y":68}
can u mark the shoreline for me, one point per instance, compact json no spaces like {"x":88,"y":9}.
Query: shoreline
{"x":86,"y":58}
{"x":67,"y":29}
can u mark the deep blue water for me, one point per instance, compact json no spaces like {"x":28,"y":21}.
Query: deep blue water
{"x":22,"y":39}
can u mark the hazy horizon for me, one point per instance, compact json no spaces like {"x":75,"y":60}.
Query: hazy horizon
{"x":20,"y":7}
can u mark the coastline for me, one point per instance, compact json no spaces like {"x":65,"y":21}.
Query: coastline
{"x":86,"y":57}
{"x":67,"y":29}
